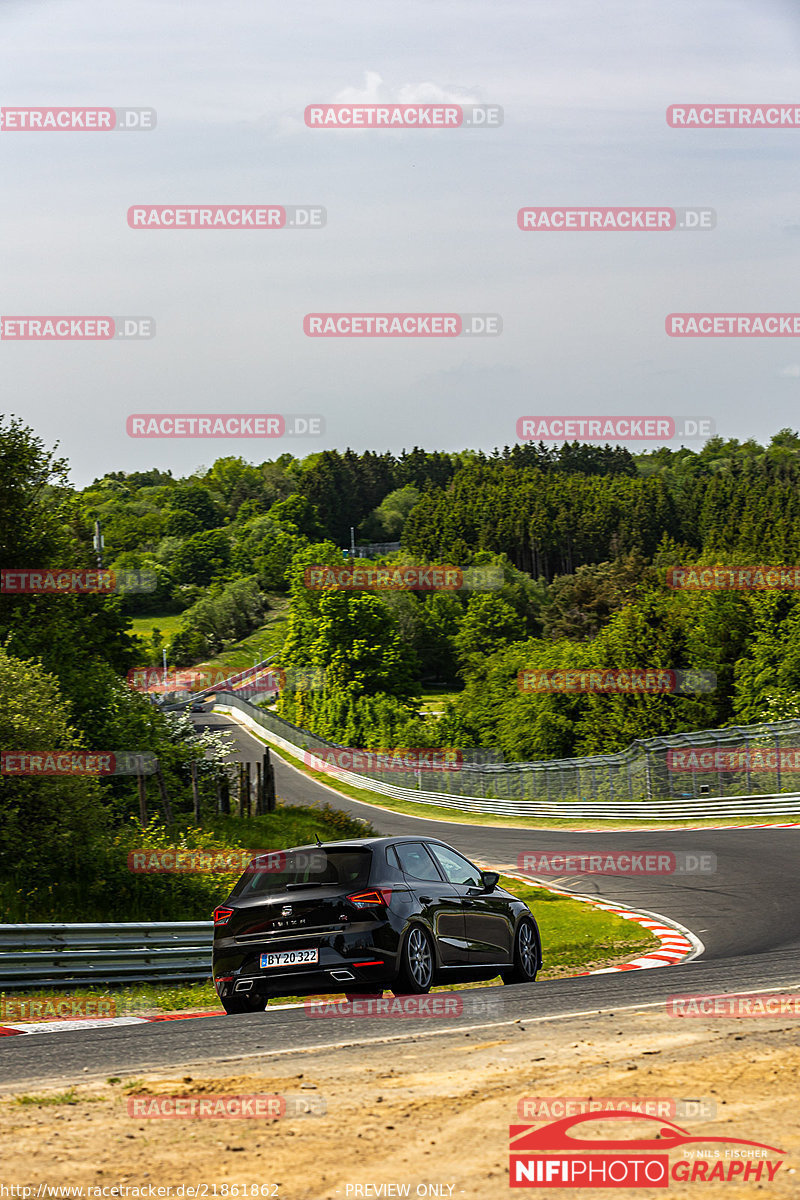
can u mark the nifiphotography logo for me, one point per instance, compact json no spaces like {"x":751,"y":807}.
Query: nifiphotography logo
{"x":553,"y":1156}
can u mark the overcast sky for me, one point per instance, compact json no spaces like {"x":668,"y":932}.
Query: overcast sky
{"x":418,"y":220}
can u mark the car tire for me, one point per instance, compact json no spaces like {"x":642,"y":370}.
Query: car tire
{"x":243,"y":1003}
{"x":417,"y":964}
{"x":527,"y":954}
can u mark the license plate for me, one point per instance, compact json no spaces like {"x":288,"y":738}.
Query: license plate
{"x":288,"y":958}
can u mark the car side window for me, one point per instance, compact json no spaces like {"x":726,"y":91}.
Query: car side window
{"x":393,"y":868}
{"x":417,"y":862}
{"x":456,"y":869}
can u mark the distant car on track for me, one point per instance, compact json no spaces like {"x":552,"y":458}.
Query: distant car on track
{"x":404,"y":913}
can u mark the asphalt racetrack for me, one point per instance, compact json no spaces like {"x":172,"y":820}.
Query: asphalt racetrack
{"x":746,"y":914}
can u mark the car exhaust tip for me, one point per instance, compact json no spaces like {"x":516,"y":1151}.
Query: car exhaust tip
{"x":342,"y":976}
{"x":244,"y":985}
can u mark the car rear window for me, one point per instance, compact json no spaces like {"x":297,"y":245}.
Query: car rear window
{"x":317,"y":867}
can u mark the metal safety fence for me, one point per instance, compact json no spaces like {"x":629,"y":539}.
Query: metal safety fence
{"x":738,"y":770}
{"x":48,"y":955}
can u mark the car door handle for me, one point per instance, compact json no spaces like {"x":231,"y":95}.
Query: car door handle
{"x":468,"y":903}
{"x":426,"y":899}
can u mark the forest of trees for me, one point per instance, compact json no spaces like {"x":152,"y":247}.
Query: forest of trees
{"x":583,"y":535}
{"x":580,"y":537}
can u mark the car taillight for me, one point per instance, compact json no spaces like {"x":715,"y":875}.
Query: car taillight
{"x":369,"y":899}
{"x":222,"y":915}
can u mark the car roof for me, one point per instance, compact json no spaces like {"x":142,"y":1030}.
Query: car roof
{"x":367,"y":843}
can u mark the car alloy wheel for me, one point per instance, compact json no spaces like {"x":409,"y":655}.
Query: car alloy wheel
{"x":416,"y":968}
{"x":526,"y":955}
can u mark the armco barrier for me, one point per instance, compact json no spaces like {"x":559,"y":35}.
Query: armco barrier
{"x":634,"y":784}
{"x":79,"y":955}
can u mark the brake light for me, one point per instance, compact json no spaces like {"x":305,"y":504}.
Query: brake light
{"x":222,"y":915}
{"x":369,"y":899}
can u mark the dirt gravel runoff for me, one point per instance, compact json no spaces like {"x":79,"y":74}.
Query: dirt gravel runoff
{"x":424,"y":1115}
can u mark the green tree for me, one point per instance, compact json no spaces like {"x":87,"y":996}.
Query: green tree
{"x":202,"y":557}
{"x":488,"y":625}
{"x":386,"y":522}
{"x":48,"y":824}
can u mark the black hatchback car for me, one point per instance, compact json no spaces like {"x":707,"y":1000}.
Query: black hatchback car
{"x":357,"y":917}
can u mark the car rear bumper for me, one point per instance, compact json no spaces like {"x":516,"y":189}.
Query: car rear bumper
{"x":346,"y":963}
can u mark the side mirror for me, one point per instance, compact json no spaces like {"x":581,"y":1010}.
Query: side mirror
{"x":489,"y":879}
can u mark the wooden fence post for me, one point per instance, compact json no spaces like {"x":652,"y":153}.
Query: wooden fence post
{"x":195,"y":794}
{"x":165,"y":804}
{"x":269,"y":782}
{"x":142,"y":799}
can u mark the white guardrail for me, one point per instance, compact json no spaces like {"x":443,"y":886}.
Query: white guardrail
{"x":786,"y":803}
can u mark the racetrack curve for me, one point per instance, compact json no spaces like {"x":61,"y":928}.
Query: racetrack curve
{"x":746,"y":914}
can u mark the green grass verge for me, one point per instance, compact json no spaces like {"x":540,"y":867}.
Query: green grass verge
{"x":266,"y":640}
{"x":289,"y":825}
{"x":577,"y":937}
{"x":167,"y":623}
{"x":434,"y":701}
